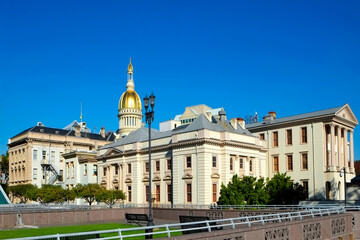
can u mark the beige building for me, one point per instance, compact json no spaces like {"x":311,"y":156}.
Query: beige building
{"x":312,"y":148}
{"x":190,"y":161}
{"x":36,"y":154}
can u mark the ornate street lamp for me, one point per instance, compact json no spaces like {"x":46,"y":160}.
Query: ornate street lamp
{"x":344,"y":169}
{"x":149,"y":117}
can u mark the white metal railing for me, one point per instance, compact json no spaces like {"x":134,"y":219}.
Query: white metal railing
{"x":208,"y":225}
{"x":66,"y":206}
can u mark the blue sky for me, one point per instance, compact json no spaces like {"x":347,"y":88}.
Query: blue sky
{"x":290,"y":57}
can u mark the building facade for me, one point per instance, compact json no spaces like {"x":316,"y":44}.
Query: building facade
{"x":311,"y":148}
{"x":36,"y":154}
{"x":190,"y":162}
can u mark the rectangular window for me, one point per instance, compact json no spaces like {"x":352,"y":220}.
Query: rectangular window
{"x":306,"y":189}
{"x":289,"y":137}
{"x":147,"y":193}
{"x":104,"y":171}
{"x":241,"y":163}
{"x":188,"y":192}
{"x":157,"y":197}
{"x":289,"y":162}
{"x":169,"y":190}
{"x":43,"y":155}
{"x":35,"y":173}
{"x":95,"y":170}
{"x":214,"y":192}
{"x":52,"y":156}
{"x":262,"y":136}
{"x":251,"y":165}
{"x":147,"y":167}
{"x":231,"y":164}
{"x":34,"y":154}
{"x":303,"y":135}
{"x":168,"y":164}
{"x":129,"y":168}
{"x":85,"y":169}
{"x":304,"y":161}
{"x":116,"y":169}
{"x":188,"y":162}
{"x":157,"y":166}
{"x":275,"y":139}
{"x":67,"y":170}
{"x":214,"y":161}
{"x":276,"y":163}
{"x":129,"y":193}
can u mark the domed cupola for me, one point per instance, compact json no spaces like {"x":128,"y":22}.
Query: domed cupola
{"x":130,"y":109}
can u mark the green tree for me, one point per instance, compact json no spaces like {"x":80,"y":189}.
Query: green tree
{"x":248,"y":190}
{"x":283,"y":191}
{"x":110,"y":196}
{"x":88,"y":192}
{"x":21,"y":192}
{"x":68,"y":195}
{"x":4,"y":164}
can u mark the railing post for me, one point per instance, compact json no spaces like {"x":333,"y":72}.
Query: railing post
{"x":300,"y":216}
{"x":208,"y":226}
{"x":248,"y":222}
{"x":167,"y":230}
{"x":232,"y":223}
{"x":312,"y":214}
{"x":58,"y":237}
{"x":278,"y":215}
{"x":120,"y":235}
{"x":290,"y":217}
{"x":262,"y":220}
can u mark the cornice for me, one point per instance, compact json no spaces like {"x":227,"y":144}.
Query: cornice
{"x":182,"y":144}
{"x":292,"y":123}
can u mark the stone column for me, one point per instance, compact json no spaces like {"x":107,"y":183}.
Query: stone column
{"x":332,"y":158}
{"x":325,"y":147}
{"x":352,"y":150}
{"x":338,"y":147}
{"x":344,"y":147}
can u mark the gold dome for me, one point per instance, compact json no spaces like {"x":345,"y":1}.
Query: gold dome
{"x":130,"y":99}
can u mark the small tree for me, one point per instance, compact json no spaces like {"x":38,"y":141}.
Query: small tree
{"x":88,"y":192}
{"x":110,"y":196}
{"x":248,"y":190}
{"x":21,"y":192}
{"x":283,"y":191}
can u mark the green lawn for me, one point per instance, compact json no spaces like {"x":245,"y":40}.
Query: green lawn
{"x":19,"y":233}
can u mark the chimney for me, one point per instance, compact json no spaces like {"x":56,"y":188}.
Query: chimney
{"x":77,"y":131}
{"x":241,"y":122}
{"x":222,"y":115}
{"x":102,"y":132}
{"x":270,"y":117}
{"x":273,"y":114}
{"x":233,"y":122}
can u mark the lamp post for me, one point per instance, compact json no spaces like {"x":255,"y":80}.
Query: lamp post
{"x":344,"y":169}
{"x":149,"y":117}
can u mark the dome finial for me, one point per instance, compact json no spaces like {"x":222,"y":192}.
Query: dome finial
{"x":130,"y":68}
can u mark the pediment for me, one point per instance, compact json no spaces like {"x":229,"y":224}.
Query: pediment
{"x":128,"y":180}
{"x":346,"y":113}
{"x":167,"y":177}
{"x":115,"y":180}
{"x":215,"y":175}
{"x":145,"y":179}
{"x":112,"y":151}
{"x":187,"y":176}
{"x":156,"y":178}
{"x":103,"y":182}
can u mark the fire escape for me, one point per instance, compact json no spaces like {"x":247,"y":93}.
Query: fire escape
{"x":51,"y":175}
